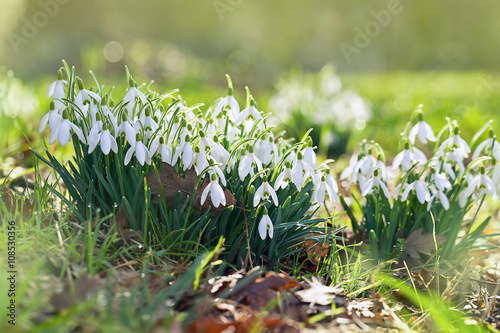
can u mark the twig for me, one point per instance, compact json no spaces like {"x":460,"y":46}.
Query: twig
{"x":492,"y":303}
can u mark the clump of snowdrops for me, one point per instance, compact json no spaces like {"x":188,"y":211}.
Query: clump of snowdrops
{"x":120,"y":138}
{"x":319,"y":101}
{"x":438,"y":194}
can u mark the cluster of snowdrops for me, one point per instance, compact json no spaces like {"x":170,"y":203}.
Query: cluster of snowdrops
{"x":231,"y":145}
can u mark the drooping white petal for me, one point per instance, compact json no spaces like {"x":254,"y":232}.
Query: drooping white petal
{"x":64,"y":135}
{"x":205,"y":193}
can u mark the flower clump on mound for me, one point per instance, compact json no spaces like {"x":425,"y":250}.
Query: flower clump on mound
{"x":248,"y":179}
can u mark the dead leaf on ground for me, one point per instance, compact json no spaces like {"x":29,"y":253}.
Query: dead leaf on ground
{"x":15,"y":203}
{"x":417,"y":243}
{"x":169,"y":183}
{"x":318,"y":293}
{"x":211,"y":324}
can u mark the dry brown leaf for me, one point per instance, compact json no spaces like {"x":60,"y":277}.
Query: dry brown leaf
{"x":417,"y":243}
{"x":169,"y":183}
{"x":14,"y":202}
{"x":262,"y":290}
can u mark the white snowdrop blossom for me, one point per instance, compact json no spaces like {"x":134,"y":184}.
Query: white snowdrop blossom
{"x":63,"y":131}
{"x":215,"y":191}
{"x":228,"y":103}
{"x":438,"y":196}
{"x":266,"y":226}
{"x":132,"y":97}
{"x":309,"y":155}
{"x":456,"y":145}
{"x":56,"y":90}
{"x":422,"y":130}
{"x":408,"y":157}
{"x":84,"y":98}
{"x":53,"y":118}
{"x":266,"y":150}
{"x":106,"y":139}
{"x":490,"y":146}
{"x":374,"y":183}
{"x":301,"y":171}
{"x":164,"y":149}
{"x":440,"y":180}
{"x":284,"y":177}
{"x":248,"y":164}
{"x":323,"y":188}
{"x":495,"y":176}
{"x":421,"y":188}
{"x":127,"y":129}
{"x":140,"y":150}
{"x":250,"y":116}
{"x":264,"y":192}
{"x":481,"y":185}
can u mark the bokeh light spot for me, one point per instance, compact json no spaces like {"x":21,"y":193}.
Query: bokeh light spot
{"x":113,"y":51}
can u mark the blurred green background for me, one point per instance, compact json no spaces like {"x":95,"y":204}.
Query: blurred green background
{"x":394,"y":54}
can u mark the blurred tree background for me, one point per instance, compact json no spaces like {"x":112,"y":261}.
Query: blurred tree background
{"x":394,"y":53}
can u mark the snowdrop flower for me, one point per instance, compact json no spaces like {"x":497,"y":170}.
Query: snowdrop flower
{"x":264,"y":192}
{"x":248,"y":164}
{"x":354,"y":173}
{"x":482,"y":184}
{"x":490,"y":146}
{"x":422,"y":130}
{"x":374,"y":183}
{"x":323,"y":188}
{"x":495,"y":175}
{"x":266,"y":226}
{"x":438,"y":163}
{"x":215,"y":169}
{"x":53,"y":118}
{"x":216,"y":193}
{"x":186,"y":150}
{"x":420,"y":188}
{"x":84,"y":98}
{"x":250,"y":115}
{"x":149,"y":123}
{"x":455,"y":144}
{"x":63,"y":131}
{"x":104,"y":137}
{"x":133,"y":94}
{"x":301,"y":170}
{"x":440,"y":180}
{"x":140,"y":150}
{"x":200,"y":160}
{"x":407,"y":157}
{"x":284,"y":177}
{"x":332,"y":183}
{"x":439,"y":196}
{"x":266,"y":150}
{"x":164,"y":149}
{"x":309,"y":155}
{"x":206,"y":145}
{"x":228,"y":102}
{"x":379,"y":164}
{"x":56,"y":90}
{"x":127,"y":129}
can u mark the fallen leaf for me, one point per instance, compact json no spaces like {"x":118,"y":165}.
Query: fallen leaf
{"x":317,"y":293}
{"x":168,"y":183}
{"x":417,"y":243}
